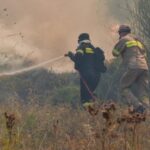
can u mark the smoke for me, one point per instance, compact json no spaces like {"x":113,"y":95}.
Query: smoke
{"x":118,"y":9}
{"x":45,"y":29}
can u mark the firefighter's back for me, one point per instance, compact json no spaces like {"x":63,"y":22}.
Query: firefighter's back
{"x":134,"y":55}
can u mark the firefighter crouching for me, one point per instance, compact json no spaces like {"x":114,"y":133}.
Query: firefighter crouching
{"x":89,"y":62}
{"x":133,"y":54}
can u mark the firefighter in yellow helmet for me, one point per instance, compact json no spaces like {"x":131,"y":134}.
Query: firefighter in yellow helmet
{"x":133,"y":54}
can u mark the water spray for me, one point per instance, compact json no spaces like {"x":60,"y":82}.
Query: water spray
{"x":32,"y":67}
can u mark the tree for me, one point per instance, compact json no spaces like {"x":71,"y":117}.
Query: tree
{"x":140,"y":19}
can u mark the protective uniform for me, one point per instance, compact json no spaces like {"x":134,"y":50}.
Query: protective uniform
{"x":89,"y":63}
{"x":133,"y":54}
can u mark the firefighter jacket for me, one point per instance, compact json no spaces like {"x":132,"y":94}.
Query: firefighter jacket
{"x":132,"y":51}
{"x":89,"y":59}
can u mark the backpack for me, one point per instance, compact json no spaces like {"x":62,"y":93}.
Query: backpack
{"x":99,"y":61}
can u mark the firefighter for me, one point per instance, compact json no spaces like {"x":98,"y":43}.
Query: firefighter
{"x":133,"y":54}
{"x":89,"y":62}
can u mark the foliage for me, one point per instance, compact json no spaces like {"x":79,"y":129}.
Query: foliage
{"x":44,"y":86}
{"x":50,"y":127}
{"x":140,"y":18}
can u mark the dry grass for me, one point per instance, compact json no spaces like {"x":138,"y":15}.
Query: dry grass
{"x":34,"y":127}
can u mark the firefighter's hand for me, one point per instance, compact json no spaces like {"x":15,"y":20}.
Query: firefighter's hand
{"x":70,"y":55}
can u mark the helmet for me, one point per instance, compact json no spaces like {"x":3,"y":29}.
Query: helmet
{"x":83,"y":36}
{"x":124,"y":28}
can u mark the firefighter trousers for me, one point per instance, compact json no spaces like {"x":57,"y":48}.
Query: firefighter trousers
{"x":88,"y":82}
{"x":137,"y":78}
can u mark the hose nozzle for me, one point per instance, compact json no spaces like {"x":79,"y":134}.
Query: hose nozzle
{"x":66,"y":55}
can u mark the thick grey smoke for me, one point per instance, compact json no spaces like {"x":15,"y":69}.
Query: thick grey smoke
{"x":45,"y":29}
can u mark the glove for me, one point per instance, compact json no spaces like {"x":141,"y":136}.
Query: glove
{"x":70,"y":55}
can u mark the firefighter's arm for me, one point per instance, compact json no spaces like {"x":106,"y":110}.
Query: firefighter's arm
{"x":75,"y":57}
{"x":79,"y":53}
{"x":119,"y":48}
{"x":78,"y":58}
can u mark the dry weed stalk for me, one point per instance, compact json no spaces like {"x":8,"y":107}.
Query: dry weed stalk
{"x":135,"y":118}
{"x":56,"y":127}
{"x":131,"y":121}
{"x":93,"y":110}
{"x":10,"y":123}
{"x":107,"y":113}
{"x":56,"y":132}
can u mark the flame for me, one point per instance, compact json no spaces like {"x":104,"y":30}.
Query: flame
{"x":114,"y":29}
